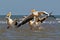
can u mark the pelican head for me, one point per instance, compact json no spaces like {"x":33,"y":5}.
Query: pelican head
{"x":8,"y":16}
{"x":34,"y":12}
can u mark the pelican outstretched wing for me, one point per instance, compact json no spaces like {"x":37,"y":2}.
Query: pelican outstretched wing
{"x":27,"y":19}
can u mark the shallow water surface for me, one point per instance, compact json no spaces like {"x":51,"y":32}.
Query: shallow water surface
{"x":50,"y":32}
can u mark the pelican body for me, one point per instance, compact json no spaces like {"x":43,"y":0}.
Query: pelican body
{"x":10,"y":22}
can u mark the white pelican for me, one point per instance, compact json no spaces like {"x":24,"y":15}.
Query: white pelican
{"x":10,"y":22}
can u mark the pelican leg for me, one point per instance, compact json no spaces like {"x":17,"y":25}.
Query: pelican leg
{"x":8,"y":27}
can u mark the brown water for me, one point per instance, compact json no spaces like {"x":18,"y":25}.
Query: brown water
{"x":49,"y":32}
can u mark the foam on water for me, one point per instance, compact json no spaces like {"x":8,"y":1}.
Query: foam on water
{"x":3,"y":22}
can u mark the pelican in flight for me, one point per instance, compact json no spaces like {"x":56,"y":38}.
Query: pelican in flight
{"x":35,"y":14}
{"x":10,"y":22}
